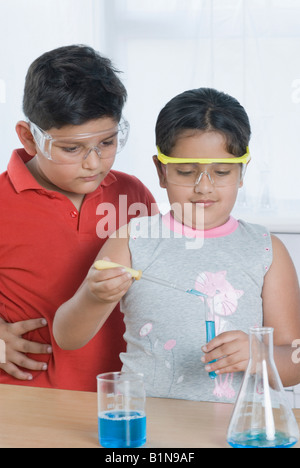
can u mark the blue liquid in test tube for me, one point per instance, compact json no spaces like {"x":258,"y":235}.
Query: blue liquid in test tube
{"x":210,"y":334}
{"x":210,"y":328}
{"x":209,"y":322}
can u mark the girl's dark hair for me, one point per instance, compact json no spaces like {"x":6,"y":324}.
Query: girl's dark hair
{"x":204,"y":109}
{"x":71,"y":85}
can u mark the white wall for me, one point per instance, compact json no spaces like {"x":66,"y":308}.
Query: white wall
{"x":28,"y":28}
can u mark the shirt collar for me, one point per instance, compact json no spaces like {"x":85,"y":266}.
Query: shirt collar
{"x":109,"y":179}
{"x":221,"y":231}
{"x":22,"y":179}
{"x":18,"y":173}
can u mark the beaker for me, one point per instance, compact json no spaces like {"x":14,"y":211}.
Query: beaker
{"x":121,"y":410}
{"x":262,"y":417}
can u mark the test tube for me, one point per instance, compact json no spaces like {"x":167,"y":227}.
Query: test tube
{"x":210,"y":328}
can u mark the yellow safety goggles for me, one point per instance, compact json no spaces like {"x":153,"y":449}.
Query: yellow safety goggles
{"x":235,"y":160}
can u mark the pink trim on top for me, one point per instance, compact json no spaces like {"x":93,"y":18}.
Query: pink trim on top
{"x":220,"y":231}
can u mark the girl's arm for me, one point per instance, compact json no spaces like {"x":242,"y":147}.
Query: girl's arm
{"x":281,"y":305}
{"x":281,"y":311}
{"x":78,"y":320}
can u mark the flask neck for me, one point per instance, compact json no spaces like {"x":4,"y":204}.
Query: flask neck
{"x":261,"y":344}
{"x":261,"y":357}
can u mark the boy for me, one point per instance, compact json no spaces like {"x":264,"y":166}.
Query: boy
{"x":58,"y":199}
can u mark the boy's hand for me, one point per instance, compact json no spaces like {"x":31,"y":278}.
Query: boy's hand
{"x":230,"y":349}
{"x":108,"y":286}
{"x":16,"y":348}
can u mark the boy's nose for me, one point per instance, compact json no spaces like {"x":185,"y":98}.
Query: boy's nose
{"x":96,"y":149}
{"x":92,"y":157}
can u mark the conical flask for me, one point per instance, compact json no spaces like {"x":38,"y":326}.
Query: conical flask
{"x":262,"y":417}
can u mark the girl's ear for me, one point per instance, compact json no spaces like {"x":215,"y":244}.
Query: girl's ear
{"x":161,"y":171}
{"x":26,"y":138}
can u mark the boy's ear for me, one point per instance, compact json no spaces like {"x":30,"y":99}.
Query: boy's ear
{"x":161,"y":172}
{"x":25,"y":137}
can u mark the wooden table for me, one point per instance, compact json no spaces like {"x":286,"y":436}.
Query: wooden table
{"x":39,"y":417}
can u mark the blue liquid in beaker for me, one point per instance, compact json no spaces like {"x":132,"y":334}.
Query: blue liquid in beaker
{"x":122,"y":429}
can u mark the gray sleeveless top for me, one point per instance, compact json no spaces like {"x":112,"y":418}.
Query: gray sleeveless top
{"x":165,"y":327}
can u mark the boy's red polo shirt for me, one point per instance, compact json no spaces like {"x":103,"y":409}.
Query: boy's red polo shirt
{"x":46,"y":249}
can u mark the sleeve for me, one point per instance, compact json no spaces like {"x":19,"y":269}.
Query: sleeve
{"x":258,"y":244}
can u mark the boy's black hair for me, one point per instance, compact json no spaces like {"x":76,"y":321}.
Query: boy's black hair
{"x":204,"y":109}
{"x":70,"y":86}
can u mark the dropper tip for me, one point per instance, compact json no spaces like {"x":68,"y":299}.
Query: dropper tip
{"x":196,"y":293}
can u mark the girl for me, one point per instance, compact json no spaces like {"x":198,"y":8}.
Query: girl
{"x":247,"y":275}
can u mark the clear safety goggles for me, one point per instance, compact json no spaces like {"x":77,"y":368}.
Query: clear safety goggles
{"x":75,"y":149}
{"x":221,"y":172}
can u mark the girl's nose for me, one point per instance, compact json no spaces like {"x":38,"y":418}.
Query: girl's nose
{"x":204,"y":183}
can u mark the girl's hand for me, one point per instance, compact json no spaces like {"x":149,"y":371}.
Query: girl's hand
{"x":230,"y":350}
{"x":108,"y":286}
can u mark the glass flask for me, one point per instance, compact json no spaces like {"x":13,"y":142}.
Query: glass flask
{"x":262,"y":417}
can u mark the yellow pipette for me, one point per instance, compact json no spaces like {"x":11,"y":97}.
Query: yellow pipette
{"x":138,"y":274}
